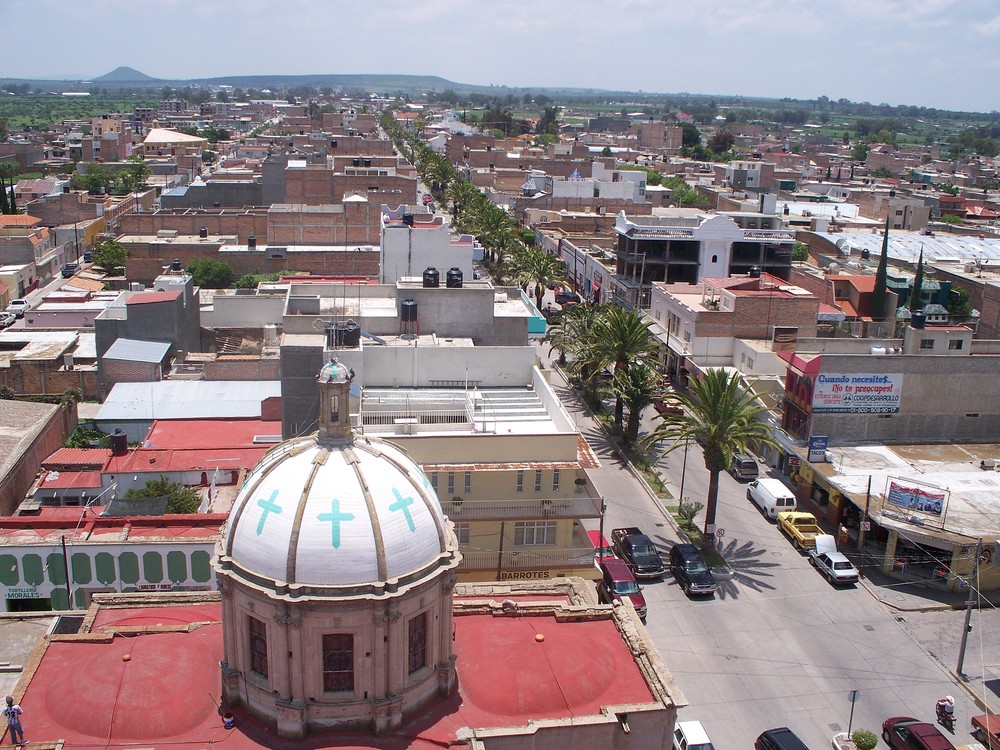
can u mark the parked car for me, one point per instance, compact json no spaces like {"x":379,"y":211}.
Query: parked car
{"x":617,"y":583}
{"x":602,"y":547}
{"x":564,"y":296}
{"x":69,"y":270}
{"x":18,"y":307}
{"x":986,"y":729}
{"x":88,"y":256}
{"x":638,"y":552}
{"x":7,"y":319}
{"x":907,"y":733}
{"x":742,"y":466}
{"x":691,"y":570}
{"x":691,"y":735}
{"x":771,"y":496}
{"x":800,"y":527}
{"x":780,"y":738}
{"x":832,"y":564}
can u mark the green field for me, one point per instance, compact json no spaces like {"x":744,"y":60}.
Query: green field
{"x":39,"y":112}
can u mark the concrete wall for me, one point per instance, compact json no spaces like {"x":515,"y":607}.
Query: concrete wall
{"x":944,"y":398}
{"x":407,"y":251}
{"x":40,"y":430}
{"x":243,"y":311}
{"x":421,"y":367}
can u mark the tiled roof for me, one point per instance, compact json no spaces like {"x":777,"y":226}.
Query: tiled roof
{"x":146,"y":298}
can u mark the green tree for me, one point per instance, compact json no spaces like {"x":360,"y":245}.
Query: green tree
{"x":880,"y":297}
{"x":719,"y":417}
{"x":721,"y":141}
{"x":210,"y":273}
{"x":690,"y":135}
{"x":638,"y":386}
{"x":860,"y":152}
{"x":134,"y":175}
{"x":958,"y":301}
{"x":800,"y":251}
{"x":535,"y":266}
{"x":916,"y":295}
{"x":621,"y":338}
{"x":180,"y":499}
{"x":606,"y":151}
{"x":111,"y":256}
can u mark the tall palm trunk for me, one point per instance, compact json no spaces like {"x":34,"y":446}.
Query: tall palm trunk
{"x":712,"y":502}
{"x":619,"y":401}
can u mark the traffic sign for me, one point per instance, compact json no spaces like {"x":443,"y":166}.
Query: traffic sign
{"x":720,"y":533}
{"x":866,"y":525}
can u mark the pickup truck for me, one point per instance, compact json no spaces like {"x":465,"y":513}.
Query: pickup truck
{"x":800,"y":527}
{"x":638,"y":552}
{"x":831,"y":563}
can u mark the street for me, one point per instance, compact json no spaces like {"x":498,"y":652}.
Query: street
{"x":778,"y":645}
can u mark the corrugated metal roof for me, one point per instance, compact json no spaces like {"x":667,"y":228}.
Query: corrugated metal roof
{"x":78,"y":457}
{"x":187,"y":399}
{"x":132,"y":350}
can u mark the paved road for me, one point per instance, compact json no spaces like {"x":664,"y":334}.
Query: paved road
{"x":777,"y":645}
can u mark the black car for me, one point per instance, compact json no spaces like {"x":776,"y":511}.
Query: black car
{"x":691,"y":570}
{"x":781,"y":738}
{"x":88,"y":257}
{"x":564,"y":295}
{"x":70,"y":269}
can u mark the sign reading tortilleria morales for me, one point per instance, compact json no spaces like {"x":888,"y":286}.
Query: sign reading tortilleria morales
{"x":857,"y":394}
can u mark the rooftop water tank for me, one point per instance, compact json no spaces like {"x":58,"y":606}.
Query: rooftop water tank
{"x":119,"y":442}
{"x":432,"y":278}
{"x":251,"y":242}
{"x":176,"y":265}
{"x":408,"y":310}
{"x":918,"y":318}
{"x":453,"y":279}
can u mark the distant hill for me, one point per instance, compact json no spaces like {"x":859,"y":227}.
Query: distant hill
{"x":124,"y":75}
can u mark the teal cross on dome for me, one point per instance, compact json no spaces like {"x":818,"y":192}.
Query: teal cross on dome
{"x":402,"y":504}
{"x":335,"y":517}
{"x":268,"y":506}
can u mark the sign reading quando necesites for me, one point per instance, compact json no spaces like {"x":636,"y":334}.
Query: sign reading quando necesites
{"x":857,"y":394}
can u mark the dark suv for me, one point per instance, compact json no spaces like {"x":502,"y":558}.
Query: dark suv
{"x":781,"y":738}
{"x":691,"y":570}
{"x":907,"y":733}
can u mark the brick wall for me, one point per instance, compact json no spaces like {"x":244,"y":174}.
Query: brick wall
{"x":127,"y":371}
{"x":58,"y":425}
{"x":355,"y":223}
{"x":243,"y":367}
{"x":35,"y":378}
{"x":243,"y":224}
{"x":270,"y":409}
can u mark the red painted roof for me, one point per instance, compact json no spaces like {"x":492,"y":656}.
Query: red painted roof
{"x":73,"y":523}
{"x":95,"y":457}
{"x":210,"y":433}
{"x":65,"y":480}
{"x":146,"y":298}
{"x":145,"y":460}
{"x":163,"y":688}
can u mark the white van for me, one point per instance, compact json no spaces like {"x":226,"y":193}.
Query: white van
{"x":691,"y":735}
{"x":771,"y":496}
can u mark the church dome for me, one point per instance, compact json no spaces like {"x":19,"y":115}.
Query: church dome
{"x":311,"y":515}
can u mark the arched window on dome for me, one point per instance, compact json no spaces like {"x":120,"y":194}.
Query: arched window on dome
{"x":338,"y":662}
{"x":257,"y":641}
{"x":417,"y":643}
{"x":334,"y":408}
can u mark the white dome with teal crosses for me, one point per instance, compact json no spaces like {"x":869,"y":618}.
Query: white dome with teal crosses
{"x":315,"y":515}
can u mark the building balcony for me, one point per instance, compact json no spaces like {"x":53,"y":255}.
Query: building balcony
{"x":583,"y":505}
{"x":546,"y":558}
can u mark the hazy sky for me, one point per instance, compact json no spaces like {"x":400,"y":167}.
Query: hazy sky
{"x":938,"y":53}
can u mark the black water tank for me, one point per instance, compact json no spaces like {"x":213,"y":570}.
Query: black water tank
{"x":408,"y":219}
{"x":356,"y":162}
{"x":351,"y":335}
{"x":251,"y":242}
{"x":866,"y":254}
{"x":176,"y":265}
{"x":754,"y":272}
{"x":119,"y":442}
{"x":917,"y":319}
{"x":432,"y":278}
{"x":453,"y":279}
{"x":408,"y":310}
{"x":203,"y":232}
{"x":368,"y":162}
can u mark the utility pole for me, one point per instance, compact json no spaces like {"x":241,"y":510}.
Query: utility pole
{"x":969,"y":604}
{"x":69,"y":593}
{"x":861,"y":530}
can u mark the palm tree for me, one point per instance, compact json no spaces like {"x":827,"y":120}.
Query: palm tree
{"x":638,"y":387}
{"x":621,"y":338}
{"x":720,"y":417}
{"x":461,"y":193}
{"x":534,"y":266}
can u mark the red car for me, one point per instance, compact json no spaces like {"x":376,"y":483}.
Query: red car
{"x":617,"y":583}
{"x":907,"y":733}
